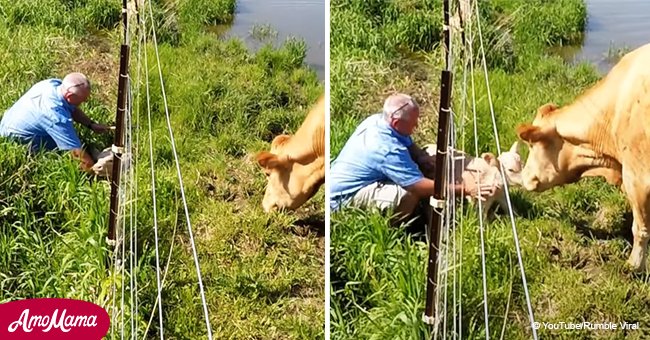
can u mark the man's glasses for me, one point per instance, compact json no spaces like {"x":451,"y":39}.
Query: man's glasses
{"x":69,"y":89}
{"x":392,"y":114}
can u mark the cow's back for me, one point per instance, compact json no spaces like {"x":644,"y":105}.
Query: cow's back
{"x":618,"y":108}
{"x":311,"y":133}
{"x":631,"y":108}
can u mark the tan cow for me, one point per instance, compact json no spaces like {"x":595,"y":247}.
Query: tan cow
{"x":486,"y":169}
{"x":295,"y":165}
{"x":605,"y":132}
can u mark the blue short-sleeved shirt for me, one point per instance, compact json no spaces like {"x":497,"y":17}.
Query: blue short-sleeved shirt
{"x":375,"y":152}
{"x":42,"y":117}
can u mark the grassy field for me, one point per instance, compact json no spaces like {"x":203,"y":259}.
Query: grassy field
{"x":263,"y":273}
{"x":574,"y":239}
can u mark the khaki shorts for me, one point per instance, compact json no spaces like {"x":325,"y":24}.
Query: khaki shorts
{"x":385,"y":195}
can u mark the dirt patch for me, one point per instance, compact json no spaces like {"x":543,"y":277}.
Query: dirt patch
{"x":237,"y":186}
{"x":302,"y":291}
{"x":314,"y":224}
{"x":418,"y":79}
{"x":97,"y":56}
{"x":609,"y":223}
{"x":248,"y":247}
{"x":547,"y":306}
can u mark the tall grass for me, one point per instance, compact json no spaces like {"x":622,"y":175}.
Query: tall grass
{"x":263,"y":273}
{"x":70,"y":15}
{"x":52,"y":227}
{"x":574,"y":239}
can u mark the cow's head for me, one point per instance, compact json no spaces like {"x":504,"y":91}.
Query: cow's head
{"x":289,"y":184}
{"x":549,"y":157}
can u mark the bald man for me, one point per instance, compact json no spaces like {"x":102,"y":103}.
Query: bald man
{"x":379,"y":164}
{"x":43,"y":117}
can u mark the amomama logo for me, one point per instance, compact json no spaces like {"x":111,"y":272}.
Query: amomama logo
{"x":52,"y":318}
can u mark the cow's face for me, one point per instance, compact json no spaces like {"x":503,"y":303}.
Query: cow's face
{"x":548,"y":163}
{"x":289,"y":184}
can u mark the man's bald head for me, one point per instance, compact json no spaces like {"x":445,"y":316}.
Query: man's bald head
{"x":400,"y":106}
{"x":402,"y":112}
{"x":75,"y":88}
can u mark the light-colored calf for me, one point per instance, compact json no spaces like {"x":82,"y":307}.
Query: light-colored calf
{"x":485,"y":169}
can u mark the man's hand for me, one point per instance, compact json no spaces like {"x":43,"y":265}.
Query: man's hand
{"x":100,"y":128}
{"x":86,"y":162}
{"x":481,"y":192}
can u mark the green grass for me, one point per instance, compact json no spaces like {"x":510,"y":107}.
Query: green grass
{"x":73,"y":16}
{"x":263,"y":273}
{"x":574,"y":239}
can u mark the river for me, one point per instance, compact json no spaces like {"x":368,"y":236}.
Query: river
{"x":304,"y":19}
{"x":612,"y":25}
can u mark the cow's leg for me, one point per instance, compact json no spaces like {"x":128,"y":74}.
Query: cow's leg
{"x":638,"y":256}
{"x":638,"y":197}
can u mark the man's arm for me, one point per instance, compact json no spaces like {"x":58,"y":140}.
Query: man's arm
{"x":416,"y":152}
{"x":424,"y":188}
{"x":402,"y":170}
{"x":66,"y":139}
{"x":85,"y":160}
{"x":81,"y":118}
{"x":421,"y":157}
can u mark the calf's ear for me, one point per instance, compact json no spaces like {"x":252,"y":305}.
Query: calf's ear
{"x":515,"y":147}
{"x":490,"y":158}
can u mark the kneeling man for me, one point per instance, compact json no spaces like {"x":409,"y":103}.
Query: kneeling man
{"x":379,"y":164}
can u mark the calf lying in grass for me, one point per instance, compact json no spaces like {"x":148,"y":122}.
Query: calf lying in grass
{"x":486,"y":169}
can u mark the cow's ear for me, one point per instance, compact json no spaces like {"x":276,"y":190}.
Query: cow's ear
{"x":279,"y":140}
{"x":530,"y":133}
{"x":546,"y":109}
{"x":267,"y":160}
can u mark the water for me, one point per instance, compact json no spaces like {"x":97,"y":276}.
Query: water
{"x":612,"y":25}
{"x":304,"y":19}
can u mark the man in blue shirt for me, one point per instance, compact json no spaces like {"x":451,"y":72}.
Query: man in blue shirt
{"x":378,"y":166}
{"x":43,"y":117}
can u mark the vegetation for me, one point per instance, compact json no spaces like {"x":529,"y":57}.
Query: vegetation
{"x":263,"y":273}
{"x":574,"y":239}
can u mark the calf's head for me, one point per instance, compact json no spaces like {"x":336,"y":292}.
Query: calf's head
{"x":289,"y":184}
{"x":511,"y":162}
